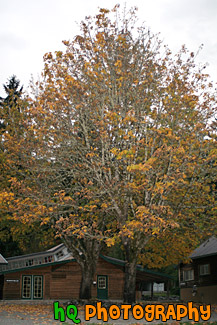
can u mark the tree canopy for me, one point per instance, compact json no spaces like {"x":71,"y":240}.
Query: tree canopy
{"x":119,"y":146}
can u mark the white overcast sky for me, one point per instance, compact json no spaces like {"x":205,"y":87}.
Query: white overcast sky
{"x":30,"y":28}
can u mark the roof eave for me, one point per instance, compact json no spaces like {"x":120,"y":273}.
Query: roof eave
{"x":138,"y":267}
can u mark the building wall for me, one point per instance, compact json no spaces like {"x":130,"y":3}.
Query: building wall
{"x":62,"y":281}
{"x":207,"y":294}
{"x":12,"y":290}
{"x":205,"y":286}
{"x":201,"y":280}
{"x":115,"y":279}
{"x":65,"y":281}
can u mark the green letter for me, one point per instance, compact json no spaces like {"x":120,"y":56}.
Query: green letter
{"x":73,"y":316}
{"x":58,"y":310}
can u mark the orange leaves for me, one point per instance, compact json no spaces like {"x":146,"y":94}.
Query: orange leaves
{"x":114,"y":151}
{"x":66,"y":43}
{"x":80,"y":39}
{"x":59,"y":54}
{"x":5,"y":199}
{"x":116,"y":137}
{"x":110,"y":242}
{"x":118,"y":64}
{"x":126,"y":154}
{"x":104,"y":206}
{"x":104,"y":11}
{"x":153,"y":221}
{"x":29,"y":313}
{"x":90,"y":154}
{"x":141,"y":168}
{"x":48,"y":56}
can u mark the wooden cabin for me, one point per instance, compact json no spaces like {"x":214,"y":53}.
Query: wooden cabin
{"x":198,"y":279}
{"x":55,"y":274}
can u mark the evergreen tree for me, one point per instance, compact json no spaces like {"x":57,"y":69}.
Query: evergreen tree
{"x":10,"y":106}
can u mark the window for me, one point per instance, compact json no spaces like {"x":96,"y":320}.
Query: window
{"x":37,"y":287}
{"x":48,"y":259}
{"x":29,"y":262}
{"x":26,"y":292}
{"x":101,"y":282}
{"x":60,"y":254}
{"x":188,"y":275}
{"x":32,"y":287}
{"x":204,"y":269}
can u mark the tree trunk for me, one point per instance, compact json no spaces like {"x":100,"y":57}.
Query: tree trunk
{"x":131,"y":255}
{"x":130,"y":282}
{"x":86,"y":253}
{"x":88,"y":271}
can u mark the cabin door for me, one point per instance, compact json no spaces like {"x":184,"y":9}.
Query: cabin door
{"x":32,"y":287}
{"x":102,"y":286}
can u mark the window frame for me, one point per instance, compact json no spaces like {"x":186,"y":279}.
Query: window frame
{"x":32,"y":286}
{"x":203,"y":267}
{"x":102,"y":282}
{"x":186,"y":275}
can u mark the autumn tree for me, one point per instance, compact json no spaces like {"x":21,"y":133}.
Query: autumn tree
{"x":120,"y":145}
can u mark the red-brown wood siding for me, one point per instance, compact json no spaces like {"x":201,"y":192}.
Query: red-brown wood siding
{"x":63,"y":281}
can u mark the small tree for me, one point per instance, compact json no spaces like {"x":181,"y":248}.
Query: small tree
{"x":119,"y":145}
{"x":10,"y":106}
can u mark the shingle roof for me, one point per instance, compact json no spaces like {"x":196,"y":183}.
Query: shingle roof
{"x":3,"y":260}
{"x":51,"y":250}
{"x":209,"y":247}
{"x":68,"y":258}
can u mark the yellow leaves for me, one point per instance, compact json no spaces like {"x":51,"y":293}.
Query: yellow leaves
{"x":59,"y":54}
{"x":139,"y":167}
{"x":104,"y":206}
{"x":112,"y":116}
{"x":126,"y":154}
{"x":118,"y":63}
{"x":48,"y":56}
{"x":66,"y":43}
{"x":104,"y":11}
{"x":90,"y":155}
{"x":6,"y":199}
{"x":45,"y":221}
{"x":80,"y":39}
{"x":110,"y":242}
{"x":37,"y":313}
{"x":129,"y":118}
{"x":6,"y":196}
{"x":135,"y":146}
{"x":126,"y":231}
{"x":130,"y":134}
{"x":114,"y":151}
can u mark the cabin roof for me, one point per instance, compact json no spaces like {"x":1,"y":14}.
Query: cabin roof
{"x":51,"y":250}
{"x":208,"y":248}
{"x":139,"y":268}
{"x":3,"y":260}
{"x":66,"y":258}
